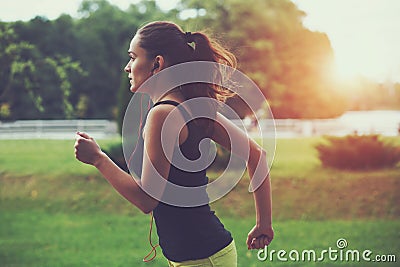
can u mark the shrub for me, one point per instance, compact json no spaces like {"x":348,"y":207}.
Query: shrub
{"x":358,"y":152}
{"x":116,"y":154}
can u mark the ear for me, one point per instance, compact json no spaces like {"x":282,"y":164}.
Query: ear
{"x":159,"y":64}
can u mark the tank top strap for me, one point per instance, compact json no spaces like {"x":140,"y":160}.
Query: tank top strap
{"x":168,"y":102}
{"x":184,"y":112}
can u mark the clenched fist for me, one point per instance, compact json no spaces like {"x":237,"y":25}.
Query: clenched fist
{"x":87,"y":150}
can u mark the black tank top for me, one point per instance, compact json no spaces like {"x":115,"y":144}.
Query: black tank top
{"x":186,"y":233}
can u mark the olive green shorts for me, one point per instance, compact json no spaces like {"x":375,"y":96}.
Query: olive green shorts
{"x":226,"y":257}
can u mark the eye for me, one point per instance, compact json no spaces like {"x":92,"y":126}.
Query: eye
{"x":131,"y":56}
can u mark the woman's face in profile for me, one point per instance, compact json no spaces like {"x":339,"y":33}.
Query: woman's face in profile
{"x":139,"y":67}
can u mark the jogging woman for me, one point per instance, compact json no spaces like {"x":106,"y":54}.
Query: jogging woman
{"x":188,"y":236}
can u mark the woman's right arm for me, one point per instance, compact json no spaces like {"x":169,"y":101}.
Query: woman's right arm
{"x":226,"y":133}
{"x":88,"y":151}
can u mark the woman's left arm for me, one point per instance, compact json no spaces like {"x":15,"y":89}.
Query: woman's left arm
{"x":238,"y":142}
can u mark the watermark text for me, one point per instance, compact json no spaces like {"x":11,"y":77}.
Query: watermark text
{"x":338,"y":253}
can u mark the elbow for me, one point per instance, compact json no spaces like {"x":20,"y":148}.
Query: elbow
{"x":147,"y":207}
{"x":263,"y":153}
{"x":146,"y":210}
{"x":257,"y":155}
{"x":144,"y":202}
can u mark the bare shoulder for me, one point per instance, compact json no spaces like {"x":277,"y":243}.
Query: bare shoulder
{"x":159,"y":112}
{"x":162,"y":117}
{"x":221,"y":123}
{"x":227,"y":133}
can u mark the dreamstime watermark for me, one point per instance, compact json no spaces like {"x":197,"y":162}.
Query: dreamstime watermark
{"x":188,"y":73}
{"x":338,"y":253}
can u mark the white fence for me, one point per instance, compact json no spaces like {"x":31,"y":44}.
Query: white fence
{"x":56,"y":129}
{"x":386,"y":123}
{"x":290,"y":128}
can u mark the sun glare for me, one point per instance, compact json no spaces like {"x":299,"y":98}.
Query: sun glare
{"x":363,"y":34}
{"x":362,"y":56}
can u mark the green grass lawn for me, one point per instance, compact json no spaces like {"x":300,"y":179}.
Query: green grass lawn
{"x":62,"y":238}
{"x":42,"y":157}
{"x":55,"y":211}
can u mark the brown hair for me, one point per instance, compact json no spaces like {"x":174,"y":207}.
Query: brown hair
{"x":176,"y":46}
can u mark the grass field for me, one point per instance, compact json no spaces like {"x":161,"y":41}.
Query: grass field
{"x":55,"y":211}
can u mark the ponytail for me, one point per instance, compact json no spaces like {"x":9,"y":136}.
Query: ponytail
{"x":168,"y":39}
{"x":206,"y":49}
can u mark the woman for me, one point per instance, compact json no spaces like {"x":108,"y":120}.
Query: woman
{"x":189,"y":236}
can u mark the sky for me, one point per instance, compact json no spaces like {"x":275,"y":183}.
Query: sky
{"x":364,"y":34}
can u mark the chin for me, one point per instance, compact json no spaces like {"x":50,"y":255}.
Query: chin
{"x":133,"y":89}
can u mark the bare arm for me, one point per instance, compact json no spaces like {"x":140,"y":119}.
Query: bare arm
{"x":87,"y":151}
{"x":233,"y":138}
{"x":155,"y":164}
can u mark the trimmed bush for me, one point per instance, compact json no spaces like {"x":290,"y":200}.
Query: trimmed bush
{"x":358,"y":152}
{"x":116,"y":154}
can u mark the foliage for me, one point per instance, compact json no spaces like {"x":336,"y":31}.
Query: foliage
{"x":95,"y":41}
{"x":116,"y":154}
{"x":358,"y":152}
{"x":28,"y":77}
{"x":73,"y":67}
{"x":289,"y":63}
{"x":365,"y":94}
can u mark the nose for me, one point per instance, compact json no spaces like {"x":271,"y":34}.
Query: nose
{"x":128,"y":67}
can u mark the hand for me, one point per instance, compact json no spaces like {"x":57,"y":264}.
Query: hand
{"x":86,"y":149}
{"x":259,"y":237}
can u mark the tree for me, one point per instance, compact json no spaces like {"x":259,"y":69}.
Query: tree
{"x":289,"y":63}
{"x":25,"y":91}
